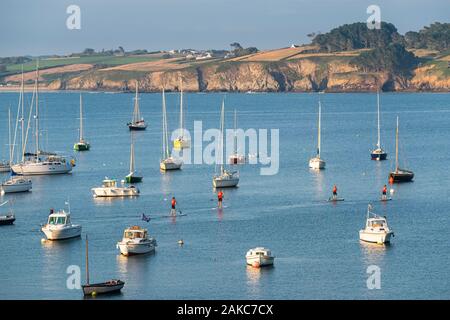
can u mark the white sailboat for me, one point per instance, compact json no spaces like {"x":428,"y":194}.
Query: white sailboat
{"x":81,"y":145}
{"x":317,"y":162}
{"x":5,"y":166}
{"x":181,"y":141}
{"x":167,"y":162}
{"x":236,"y":157}
{"x":16,"y":183}
{"x":137,"y":122}
{"x":378,"y":153}
{"x":41,"y":163}
{"x":224,"y":178}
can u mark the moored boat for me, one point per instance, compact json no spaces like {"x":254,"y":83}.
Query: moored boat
{"x":137,"y":122}
{"x":82,"y":144}
{"x":399,"y":175}
{"x":60,"y":227}
{"x":376,"y":229}
{"x":109,"y":188}
{"x":317,"y":162}
{"x":259,"y":257}
{"x":135,"y":241}
{"x":378,"y":153}
{"x":7,"y":217}
{"x":16,"y":184}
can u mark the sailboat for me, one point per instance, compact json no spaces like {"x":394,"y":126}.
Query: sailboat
{"x":224,"y":178}
{"x":236,"y":158}
{"x":317,"y":162}
{"x":181,"y":142}
{"x":5,"y":165}
{"x":378,"y":153}
{"x":399,"y":175}
{"x":15,"y":183}
{"x":167,"y":162}
{"x":81,"y":145}
{"x":137,"y":122}
{"x":110,"y":286}
{"x":132,"y":177}
{"x":41,"y":163}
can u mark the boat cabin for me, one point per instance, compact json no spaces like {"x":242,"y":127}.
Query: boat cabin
{"x":259,"y":252}
{"x":377,"y":222}
{"x":135,"y":232}
{"x":59,"y":218}
{"x":109,"y":183}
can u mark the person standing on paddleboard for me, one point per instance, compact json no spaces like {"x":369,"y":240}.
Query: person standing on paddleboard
{"x":384,"y":192}
{"x":334,"y":192}
{"x":174,"y":203}
{"x":219,"y":199}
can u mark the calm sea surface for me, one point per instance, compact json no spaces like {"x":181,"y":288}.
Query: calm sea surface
{"x":318,"y":254}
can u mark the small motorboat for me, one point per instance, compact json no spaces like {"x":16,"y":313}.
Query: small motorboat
{"x":376,"y":229}
{"x":109,"y":188}
{"x":60,"y":227}
{"x":8,"y":218}
{"x":110,"y":286}
{"x":136,"y":241}
{"x":259,"y":257}
{"x":16,"y":184}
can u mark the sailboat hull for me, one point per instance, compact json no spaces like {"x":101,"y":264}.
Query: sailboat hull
{"x":137,"y":126}
{"x":41,"y":168}
{"x":16,"y":185}
{"x":81,"y":146}
{"x":317,"y":163}
{"x":378,"y":155}
{"x":401,"y":176}
{"x":225,"y":182}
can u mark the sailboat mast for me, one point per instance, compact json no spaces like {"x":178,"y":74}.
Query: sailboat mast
{"x":22,"y":124}
{"x":235,"y":132}
{"x":132,"y":154}
{"x":9,"y":137}
{"x":396,"y":148}
{"x":181,"y":107}
{"x":87,"y":261}
{"x":318,"y":130}
{"x":37,"y":111}
{"x":378,"y":120}
{"x":165,"y":139}
{"x":136,"y":112}
{"x":222,"y":125}
{"x":81,"y":118}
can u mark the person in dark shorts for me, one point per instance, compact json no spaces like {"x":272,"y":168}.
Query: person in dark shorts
{"x":219,"y":198}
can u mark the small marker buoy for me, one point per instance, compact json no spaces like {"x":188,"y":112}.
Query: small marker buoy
{"x":392,"y":191}
{"x":94,"y":293}
{"x":43,"y":240}
{"x":180,"y":242}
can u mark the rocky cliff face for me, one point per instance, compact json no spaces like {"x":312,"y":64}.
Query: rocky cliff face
{"x":298,"y":75}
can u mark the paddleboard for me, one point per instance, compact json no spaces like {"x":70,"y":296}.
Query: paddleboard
{"x":385,"y":199}
{"x":335,"y":199}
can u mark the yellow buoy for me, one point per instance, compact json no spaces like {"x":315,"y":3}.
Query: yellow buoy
{"x":94,"y":293}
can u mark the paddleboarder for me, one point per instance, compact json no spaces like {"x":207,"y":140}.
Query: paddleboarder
{"x":174,"y":203}
{"x":334,"y":192}
{"x":219,"y":199}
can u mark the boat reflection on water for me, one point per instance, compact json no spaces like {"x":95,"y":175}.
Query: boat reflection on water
{"x":317,"y":177}
{"x":129,"y":267}
{"x":373,"y":253}
{"x":254,"y":278}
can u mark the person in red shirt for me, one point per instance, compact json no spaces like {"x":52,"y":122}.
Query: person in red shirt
{"x":334,"y":191}
{"x":384,"y":191}
{"x":220,"y":198}
{"x":174,"y":203}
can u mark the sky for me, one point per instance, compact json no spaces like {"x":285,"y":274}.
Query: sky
{"x":38,"y":27}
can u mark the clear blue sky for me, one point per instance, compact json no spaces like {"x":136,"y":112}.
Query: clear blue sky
{"x":39,"y":26}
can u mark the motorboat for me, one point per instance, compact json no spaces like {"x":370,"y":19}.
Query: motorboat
{"x":107,"y":287}
{"x":317,"y":162}
{"x":109,"y":188}
{"x":16,"y":184}
{"x":8,"y":217}
{"x":59,"y":226}
{"x":135,"y":241}
{"x":167,"y":162}
{"x":376,"y":229}
{"x":259,"y":257}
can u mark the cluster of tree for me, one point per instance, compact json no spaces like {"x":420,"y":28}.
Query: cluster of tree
{"x":357,"y":36}
{"x":434,"y":37}
{"x":393,"y":58}
{"x":238,"y":50}
{"x":14,"y":60}
{"x":111,"y":52}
